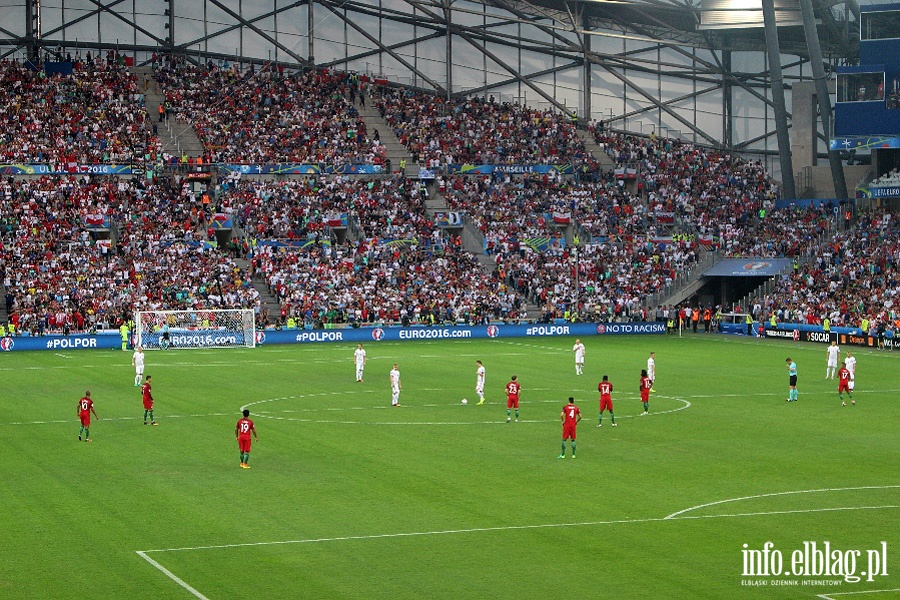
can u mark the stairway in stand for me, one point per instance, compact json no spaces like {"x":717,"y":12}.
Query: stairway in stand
{"x":177,"y":137}
{"x":4,"y":316}
{"x":473,"y":241}
{"x":594,"y":149}
{"x":394,"y":150}
{"x":267,"y":301}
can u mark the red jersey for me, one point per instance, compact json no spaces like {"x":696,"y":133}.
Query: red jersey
{"x":571,"y":414}
{"x":84,"y":406}
{"x":145,"y":392}
{"x":646,"y":384}
{"x":512,"y":390}
{"x":843,"y":375}
{"x":244,"y":427}
{"x":605,"y":388}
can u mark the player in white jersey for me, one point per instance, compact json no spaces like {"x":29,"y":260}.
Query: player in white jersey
{"x":359,"y":356}
{"x":834,"y":352}
{"x":137,"y":361}
{"x":578,"y":349}
{"x":850,"y":363}
{"x":396,"y":386}
{"x":479,"y":382}
{"x":651,"y":369}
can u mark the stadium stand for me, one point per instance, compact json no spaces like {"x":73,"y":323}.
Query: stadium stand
{"x":271,"y":116}
{"x":93,"y":115}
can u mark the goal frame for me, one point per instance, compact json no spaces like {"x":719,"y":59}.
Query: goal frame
{"x":195,"y":329}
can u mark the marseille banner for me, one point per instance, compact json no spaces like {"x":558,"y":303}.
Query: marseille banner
{"x":512,"y":169}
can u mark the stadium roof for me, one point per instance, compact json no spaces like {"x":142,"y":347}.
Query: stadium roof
{"x":685,"y":22}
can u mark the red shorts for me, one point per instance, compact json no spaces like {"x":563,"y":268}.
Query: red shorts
{"x":645,"y":395}
{"x":244,"y":444}
{"x":569,"y":432}
{"x":606,"y":404}
{"x":512,"y":402}
{"x":85,"y":419}
{"x":148,"y":404}
{"x":843,"y":386}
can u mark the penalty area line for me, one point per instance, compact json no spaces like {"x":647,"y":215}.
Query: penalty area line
{"x":512,"y":528}
{"x":173,"y":576}
{"x":829,"y":596}
{"x":677,"y":515}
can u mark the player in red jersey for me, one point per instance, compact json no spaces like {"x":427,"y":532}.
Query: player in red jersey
{"x":242,"y":432}
{"x":148,"y":400}
{"x":512,"y":398}
{"x":844,"y":384}
{"x":646,"y":384}
{"x":605,"y":388}
{"x":569,"y":416}
{"x":85,"y":408}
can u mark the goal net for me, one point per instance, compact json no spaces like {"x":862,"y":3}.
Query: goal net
{"x":213,"y":328}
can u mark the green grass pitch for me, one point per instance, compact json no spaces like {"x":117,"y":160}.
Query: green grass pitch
{"x":349,"y":498}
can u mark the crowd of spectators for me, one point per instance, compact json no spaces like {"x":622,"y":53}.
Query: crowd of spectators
{"x":387,"y":208}
{"x":854,"y":277}
{"x":63,"y":273}
{"x":396,"y":266}
{"x":439,"y":131}
{"x":616,"y":264}
{"x":399,"y":268}
{"x":94,"y":115}
{"x":369,"y":282}
{"x":269,"y":115}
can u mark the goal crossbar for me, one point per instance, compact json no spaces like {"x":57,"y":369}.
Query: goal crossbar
{"x":204,"y":328}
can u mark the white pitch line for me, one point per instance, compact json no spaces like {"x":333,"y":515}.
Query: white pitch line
{"x":823,"y":490}
{"x":120,"y":419}
{"x":829,"y":596}
{"x":173,"y":576}
{"x":512,"y":528}
{"x":275,"y":416}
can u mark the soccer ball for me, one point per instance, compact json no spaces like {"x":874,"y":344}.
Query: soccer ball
{"x":464,"y":401}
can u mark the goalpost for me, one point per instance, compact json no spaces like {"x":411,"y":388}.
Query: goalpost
{"x":209,"y":328}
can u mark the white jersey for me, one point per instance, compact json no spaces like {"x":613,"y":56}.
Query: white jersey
{"x":395,"y":379}
{"x":833,"y":353}
{"x":360,"y":355}
{"x":137,"y":359}
{"x":651,"y":368}
{"x":479,"y":379}
{"x":579,"y":352}
{"x":850,"y":363}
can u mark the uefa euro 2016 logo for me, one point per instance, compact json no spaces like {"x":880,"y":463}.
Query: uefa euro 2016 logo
{"x":601,"y":328}
{"x":378,"y":334}
{"x":260,"y":337}
{"x":7,"y":344}
{"x":493,"y":331}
